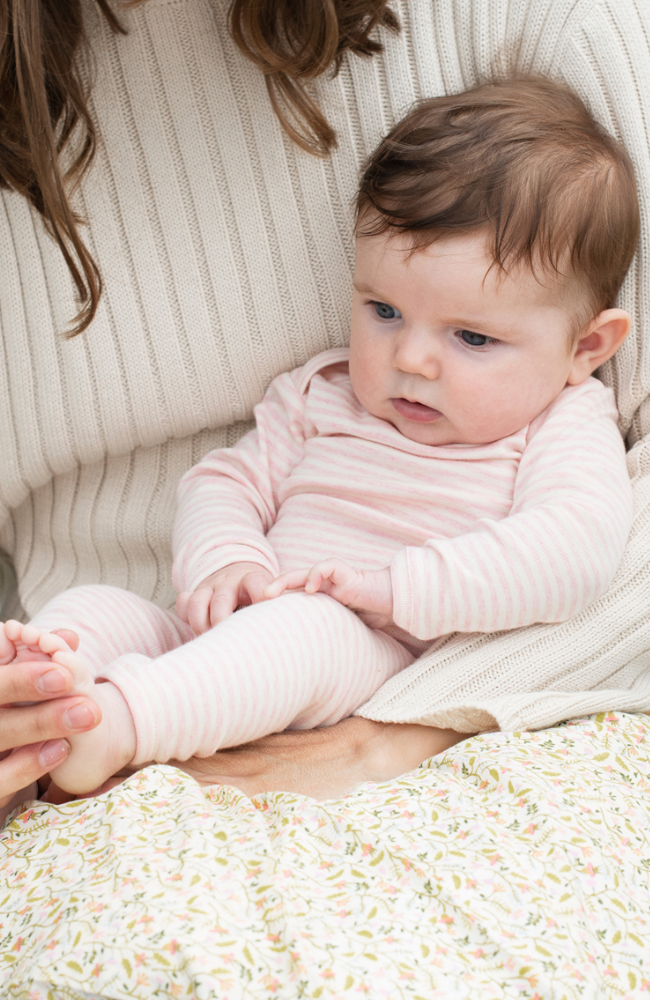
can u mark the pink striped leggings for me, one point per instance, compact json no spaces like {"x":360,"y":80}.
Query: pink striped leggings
{"x":297,"y":662}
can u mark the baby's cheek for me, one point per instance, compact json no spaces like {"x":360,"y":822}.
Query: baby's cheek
{"x":488,"y":416}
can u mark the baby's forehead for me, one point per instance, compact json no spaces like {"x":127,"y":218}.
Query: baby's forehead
{"x":467,"y":253}
{"x":462,"y":279}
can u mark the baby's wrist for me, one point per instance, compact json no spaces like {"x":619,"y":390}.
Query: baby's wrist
{"x":380,"y":591}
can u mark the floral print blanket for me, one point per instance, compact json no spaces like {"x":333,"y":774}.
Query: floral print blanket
{"x":513,"y":865}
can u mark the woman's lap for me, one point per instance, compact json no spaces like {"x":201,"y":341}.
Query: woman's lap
{"x":514,"y":864}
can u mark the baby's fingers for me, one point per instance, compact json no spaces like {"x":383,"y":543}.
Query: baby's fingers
{"x":198,"y":610}
{"x":316,"y":576}
{"x":222,"y":605}
{"x":182,"y":600}
{"x":252,"y":588}
{"x":334,"y":573}
{"x":295,"y":579}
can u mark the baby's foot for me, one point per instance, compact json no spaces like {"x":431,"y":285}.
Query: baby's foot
{"x":95,"y":755}
{"x":26,"y":642}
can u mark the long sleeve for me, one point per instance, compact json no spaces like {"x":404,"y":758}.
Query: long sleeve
{"x":557,"y":551}
{"x":228,"y":502}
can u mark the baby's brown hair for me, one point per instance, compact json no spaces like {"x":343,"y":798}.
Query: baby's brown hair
{"x":521,"y":158}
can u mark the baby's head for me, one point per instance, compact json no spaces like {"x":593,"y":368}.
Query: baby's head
{"x":494,"y":231}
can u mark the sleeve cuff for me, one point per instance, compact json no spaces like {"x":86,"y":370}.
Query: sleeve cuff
{"x":416,"y":593}
{"x":400,"y":578}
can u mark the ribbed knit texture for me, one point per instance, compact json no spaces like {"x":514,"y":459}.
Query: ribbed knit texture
{"x":227,"y":258}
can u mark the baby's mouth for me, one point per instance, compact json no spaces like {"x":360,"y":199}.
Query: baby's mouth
{"x":415,"y":411}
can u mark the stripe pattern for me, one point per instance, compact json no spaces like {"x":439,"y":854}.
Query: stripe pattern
{"x":227,"y":257}
{"x":298,"y":662}
{"x":479,"y":538}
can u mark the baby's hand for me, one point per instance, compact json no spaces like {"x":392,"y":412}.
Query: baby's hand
{"x":217,"y":597}
{"x":368,"y":592}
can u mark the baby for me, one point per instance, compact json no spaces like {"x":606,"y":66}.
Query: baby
{"x":457,"y":469}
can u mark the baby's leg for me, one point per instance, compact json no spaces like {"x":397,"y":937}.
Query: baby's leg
{"x":108,"y":622}
{"x":297,"y":661}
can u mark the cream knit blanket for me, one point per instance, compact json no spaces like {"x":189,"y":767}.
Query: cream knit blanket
{"x":227,"y":258}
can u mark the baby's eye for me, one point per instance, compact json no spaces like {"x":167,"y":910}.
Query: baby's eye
{"x":384,"y":311}
{"x":474,"y":339}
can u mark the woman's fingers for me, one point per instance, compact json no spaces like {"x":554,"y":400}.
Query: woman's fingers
{"x":34,"y":734}
{"x":23,"y":767}
{"x":37,"y":680}
{"x":29,"y":724}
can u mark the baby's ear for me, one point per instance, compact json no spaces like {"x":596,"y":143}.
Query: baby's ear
{"x":598,"y":342}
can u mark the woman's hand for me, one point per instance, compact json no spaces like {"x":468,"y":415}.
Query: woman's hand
{"x":217,"y":597}
{"x":323,"y":763}
{"x":33,"y":737}
{"x":369,"y":593}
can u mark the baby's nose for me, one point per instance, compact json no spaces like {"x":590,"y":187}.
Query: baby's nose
{"x":415,"y":355}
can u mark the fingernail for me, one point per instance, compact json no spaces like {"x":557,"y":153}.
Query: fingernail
{"x":53,"y":752}
{"x":80,"y":716}
{"x":53,"y":681}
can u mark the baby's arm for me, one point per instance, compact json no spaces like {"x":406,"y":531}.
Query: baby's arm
{"x":557,"y":551}
{"x":226,"y":505}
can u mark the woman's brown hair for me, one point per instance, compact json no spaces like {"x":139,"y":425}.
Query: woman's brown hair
{"x":44,"y":97}
{"x":294,"y":41}
{"x":43,"y":103}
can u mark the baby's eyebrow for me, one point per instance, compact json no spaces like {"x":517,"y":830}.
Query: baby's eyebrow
{"x":364,"y":288}
{"x":480,"y":326}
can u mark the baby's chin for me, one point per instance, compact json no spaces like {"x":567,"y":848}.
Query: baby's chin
{"x":438,"y":430}
{"x":444,"y":432}
{"x":434,"y":434}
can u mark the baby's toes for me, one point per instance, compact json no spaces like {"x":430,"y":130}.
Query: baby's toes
{"x":30,"y":635}
{"x":32,"y":643}
{"x":83,"y":680}
{"x":50,"y":642}
{"x":13,"y":629}
{"x":7,"y":648}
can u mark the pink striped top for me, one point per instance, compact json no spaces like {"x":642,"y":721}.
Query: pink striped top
{"x":479,"y":538}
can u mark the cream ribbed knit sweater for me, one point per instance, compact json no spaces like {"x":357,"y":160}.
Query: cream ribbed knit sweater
{"x":227,"y":257}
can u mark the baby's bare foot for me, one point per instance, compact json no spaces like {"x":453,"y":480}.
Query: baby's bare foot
{"x":20,"y":642}
{"x":99,"y":753}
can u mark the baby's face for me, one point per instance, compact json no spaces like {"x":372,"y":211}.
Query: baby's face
{"x":449,"y":351}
